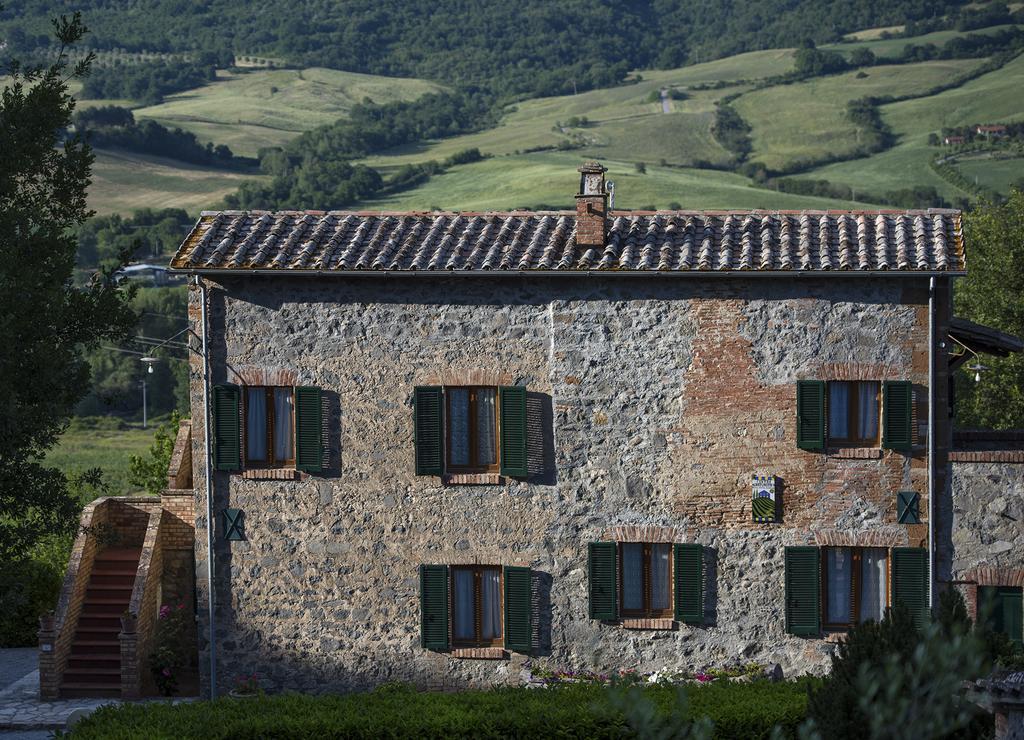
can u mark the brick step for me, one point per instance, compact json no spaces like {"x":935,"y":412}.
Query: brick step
{"x":104,"y":600}
{"x":113,"y":568}
{"x":104,"y":623}
{"x":119,"y":581}
{"x":119,"y":553}
{"x":92,"y":675}
{"x":103,"y":609}
{"x":97,"y":592}
{"x":81,"y":647}
{"x":73,"y":690}
{"x":92,"y":663}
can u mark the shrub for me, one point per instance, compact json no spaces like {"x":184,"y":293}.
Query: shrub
{"x":29,"y":589}
{"x":738,"y":710}
{"x":170,"y":643}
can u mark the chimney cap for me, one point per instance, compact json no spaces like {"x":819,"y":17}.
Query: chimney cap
{"x":592,"y":167}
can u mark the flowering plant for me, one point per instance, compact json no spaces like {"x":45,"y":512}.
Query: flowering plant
{"x":630,"y":675}
{"x":248,"y":685}
{"x":168,"y":656}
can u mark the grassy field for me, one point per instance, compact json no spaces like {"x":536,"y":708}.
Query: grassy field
{"x":894,"y":47}
{"x":250,"y":110}
{"x":549,"y":180}
{"x":83,"y":447}
{"x":807,"y":120}
{"x":998,"y":173}
{"x":993,"y":97}
{"x":125,"y":181}
{"x":622,"y":123}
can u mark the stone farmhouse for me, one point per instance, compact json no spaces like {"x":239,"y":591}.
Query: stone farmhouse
{"x":448,"y":447}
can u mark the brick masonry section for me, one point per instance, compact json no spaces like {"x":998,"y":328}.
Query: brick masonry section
{"x":257,"y":375}
{"x":894,"y":537}
{"x":640,"y":533}
{"x":480,"y":653}
{"x":987,"y":456}
{"x":648,"y":624}
{"x":179,"y":472}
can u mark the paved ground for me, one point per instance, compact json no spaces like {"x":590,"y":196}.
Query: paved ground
{"x":22,"y":715}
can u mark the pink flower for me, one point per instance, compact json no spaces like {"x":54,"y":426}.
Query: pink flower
{"x":165,"y":611}
{"x":166,"y":672}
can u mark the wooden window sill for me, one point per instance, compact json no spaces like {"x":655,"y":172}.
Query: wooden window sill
{"x":835,"y":634}
{"x":856,"y":453}
{"x":271,"y":474}
{"x":480,"y":653}
{"x":638,"y":623}
{"x":472,"y":479}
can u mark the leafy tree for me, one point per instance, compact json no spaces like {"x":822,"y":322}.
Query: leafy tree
{"x":990,"y":295}
{"x":150,"y":473}
{"x":45,"y":321}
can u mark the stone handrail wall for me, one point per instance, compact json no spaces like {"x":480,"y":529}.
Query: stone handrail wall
{"x":55,"y":638}
{"x":144,"y":604}
{"x":179,"y":471}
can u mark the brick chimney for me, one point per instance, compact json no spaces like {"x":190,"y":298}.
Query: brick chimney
{"x":591,"y":207}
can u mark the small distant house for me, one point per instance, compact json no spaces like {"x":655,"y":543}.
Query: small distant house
{"x":953,"y":140}
{"x":993,"y":131}
{"x":156,"y":275}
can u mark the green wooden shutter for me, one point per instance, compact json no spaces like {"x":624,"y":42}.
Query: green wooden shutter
{"x":688,"y":569}
{"x":602,"y":572}
{"x":227,"y":444}
{"x":803,"y":613}
{"x":309,"y":446}
{"x":518,"y":609}
{"x":910,"y":581}
{"x":428,"y":416}
{"x":434,"y":607}
{"x":512,"y":401}
{"x":1002,"y":609}
{"x":897,"y":404}
{"x":810,"y":414}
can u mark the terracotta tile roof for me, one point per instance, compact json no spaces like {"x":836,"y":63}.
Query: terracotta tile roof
{"x":675,"y":241}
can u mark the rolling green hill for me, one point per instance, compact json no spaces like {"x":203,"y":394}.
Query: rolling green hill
{"x":993,"y":97}
{"x":265,"y":107}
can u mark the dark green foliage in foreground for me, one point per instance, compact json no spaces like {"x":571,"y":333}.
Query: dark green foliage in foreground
{"x":738,"y":710}
{"x":890,"y":679}
{"x":45,"y":320}
{"x":991,"y":295}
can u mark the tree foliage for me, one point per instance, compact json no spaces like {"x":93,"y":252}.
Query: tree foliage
{"x":533,"y":47}
{"x":150,"y":473}
{"x":45,"y":321}
{"x":991,"y":295}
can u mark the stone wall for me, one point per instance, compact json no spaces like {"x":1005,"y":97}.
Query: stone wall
{"x":653,"y":402}
{"x":987,"y":502}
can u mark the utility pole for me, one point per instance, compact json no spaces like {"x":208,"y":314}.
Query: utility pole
{"x":144,"y":419}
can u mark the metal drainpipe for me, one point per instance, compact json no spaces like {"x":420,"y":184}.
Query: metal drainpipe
{"x":931,"y":441}
{"x":209,"y":493}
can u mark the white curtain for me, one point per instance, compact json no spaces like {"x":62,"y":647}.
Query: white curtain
{"x":284,"y":436}
{"x":490,"y":604}
{"x":256,"y":424}
{"x":659,"y":576}
{"x":839,"y":409}
{"x":485,"y":426}
{"x":464,"y":627}
{"x":458,"y":425}
{"x":873,"y":586}
{"x":632,"y":575}
{"x":868,"y":410}
{"x":840,"y":564}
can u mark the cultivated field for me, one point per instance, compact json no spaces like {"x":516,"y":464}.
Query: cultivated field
{"x":269,"y":107}
{"x":807,"y":121}
{"x":894,"y":46}
{"x":125,"y":181}
{"x":81,"y":449}
{"x":548,"y":180}
{"x":993,"y":97}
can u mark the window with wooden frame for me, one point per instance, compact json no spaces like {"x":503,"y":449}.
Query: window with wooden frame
{"x":645,"y":572}
{"x":470,"y":429}
{"x":855,"y":585}
{"x":269,"y":426}
{"x":472,"y":421}
{"x":853,"y":413}
{"x":476,"y":605}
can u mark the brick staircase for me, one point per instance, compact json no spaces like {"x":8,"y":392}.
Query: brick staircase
{"x":94,"y":666}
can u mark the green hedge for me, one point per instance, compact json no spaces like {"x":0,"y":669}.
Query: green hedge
{"x":739,"y":710}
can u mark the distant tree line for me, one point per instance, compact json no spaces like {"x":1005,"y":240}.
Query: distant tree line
{"x":529,"y":48}
{"x":915,"y":197}
{"x":148,"y":82}
{"x":111,"y":126}
{"x":147,"y":234}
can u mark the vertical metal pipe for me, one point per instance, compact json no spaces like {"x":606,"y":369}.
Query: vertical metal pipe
{"x":209,"y":494}
{"x":932,"y":339}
